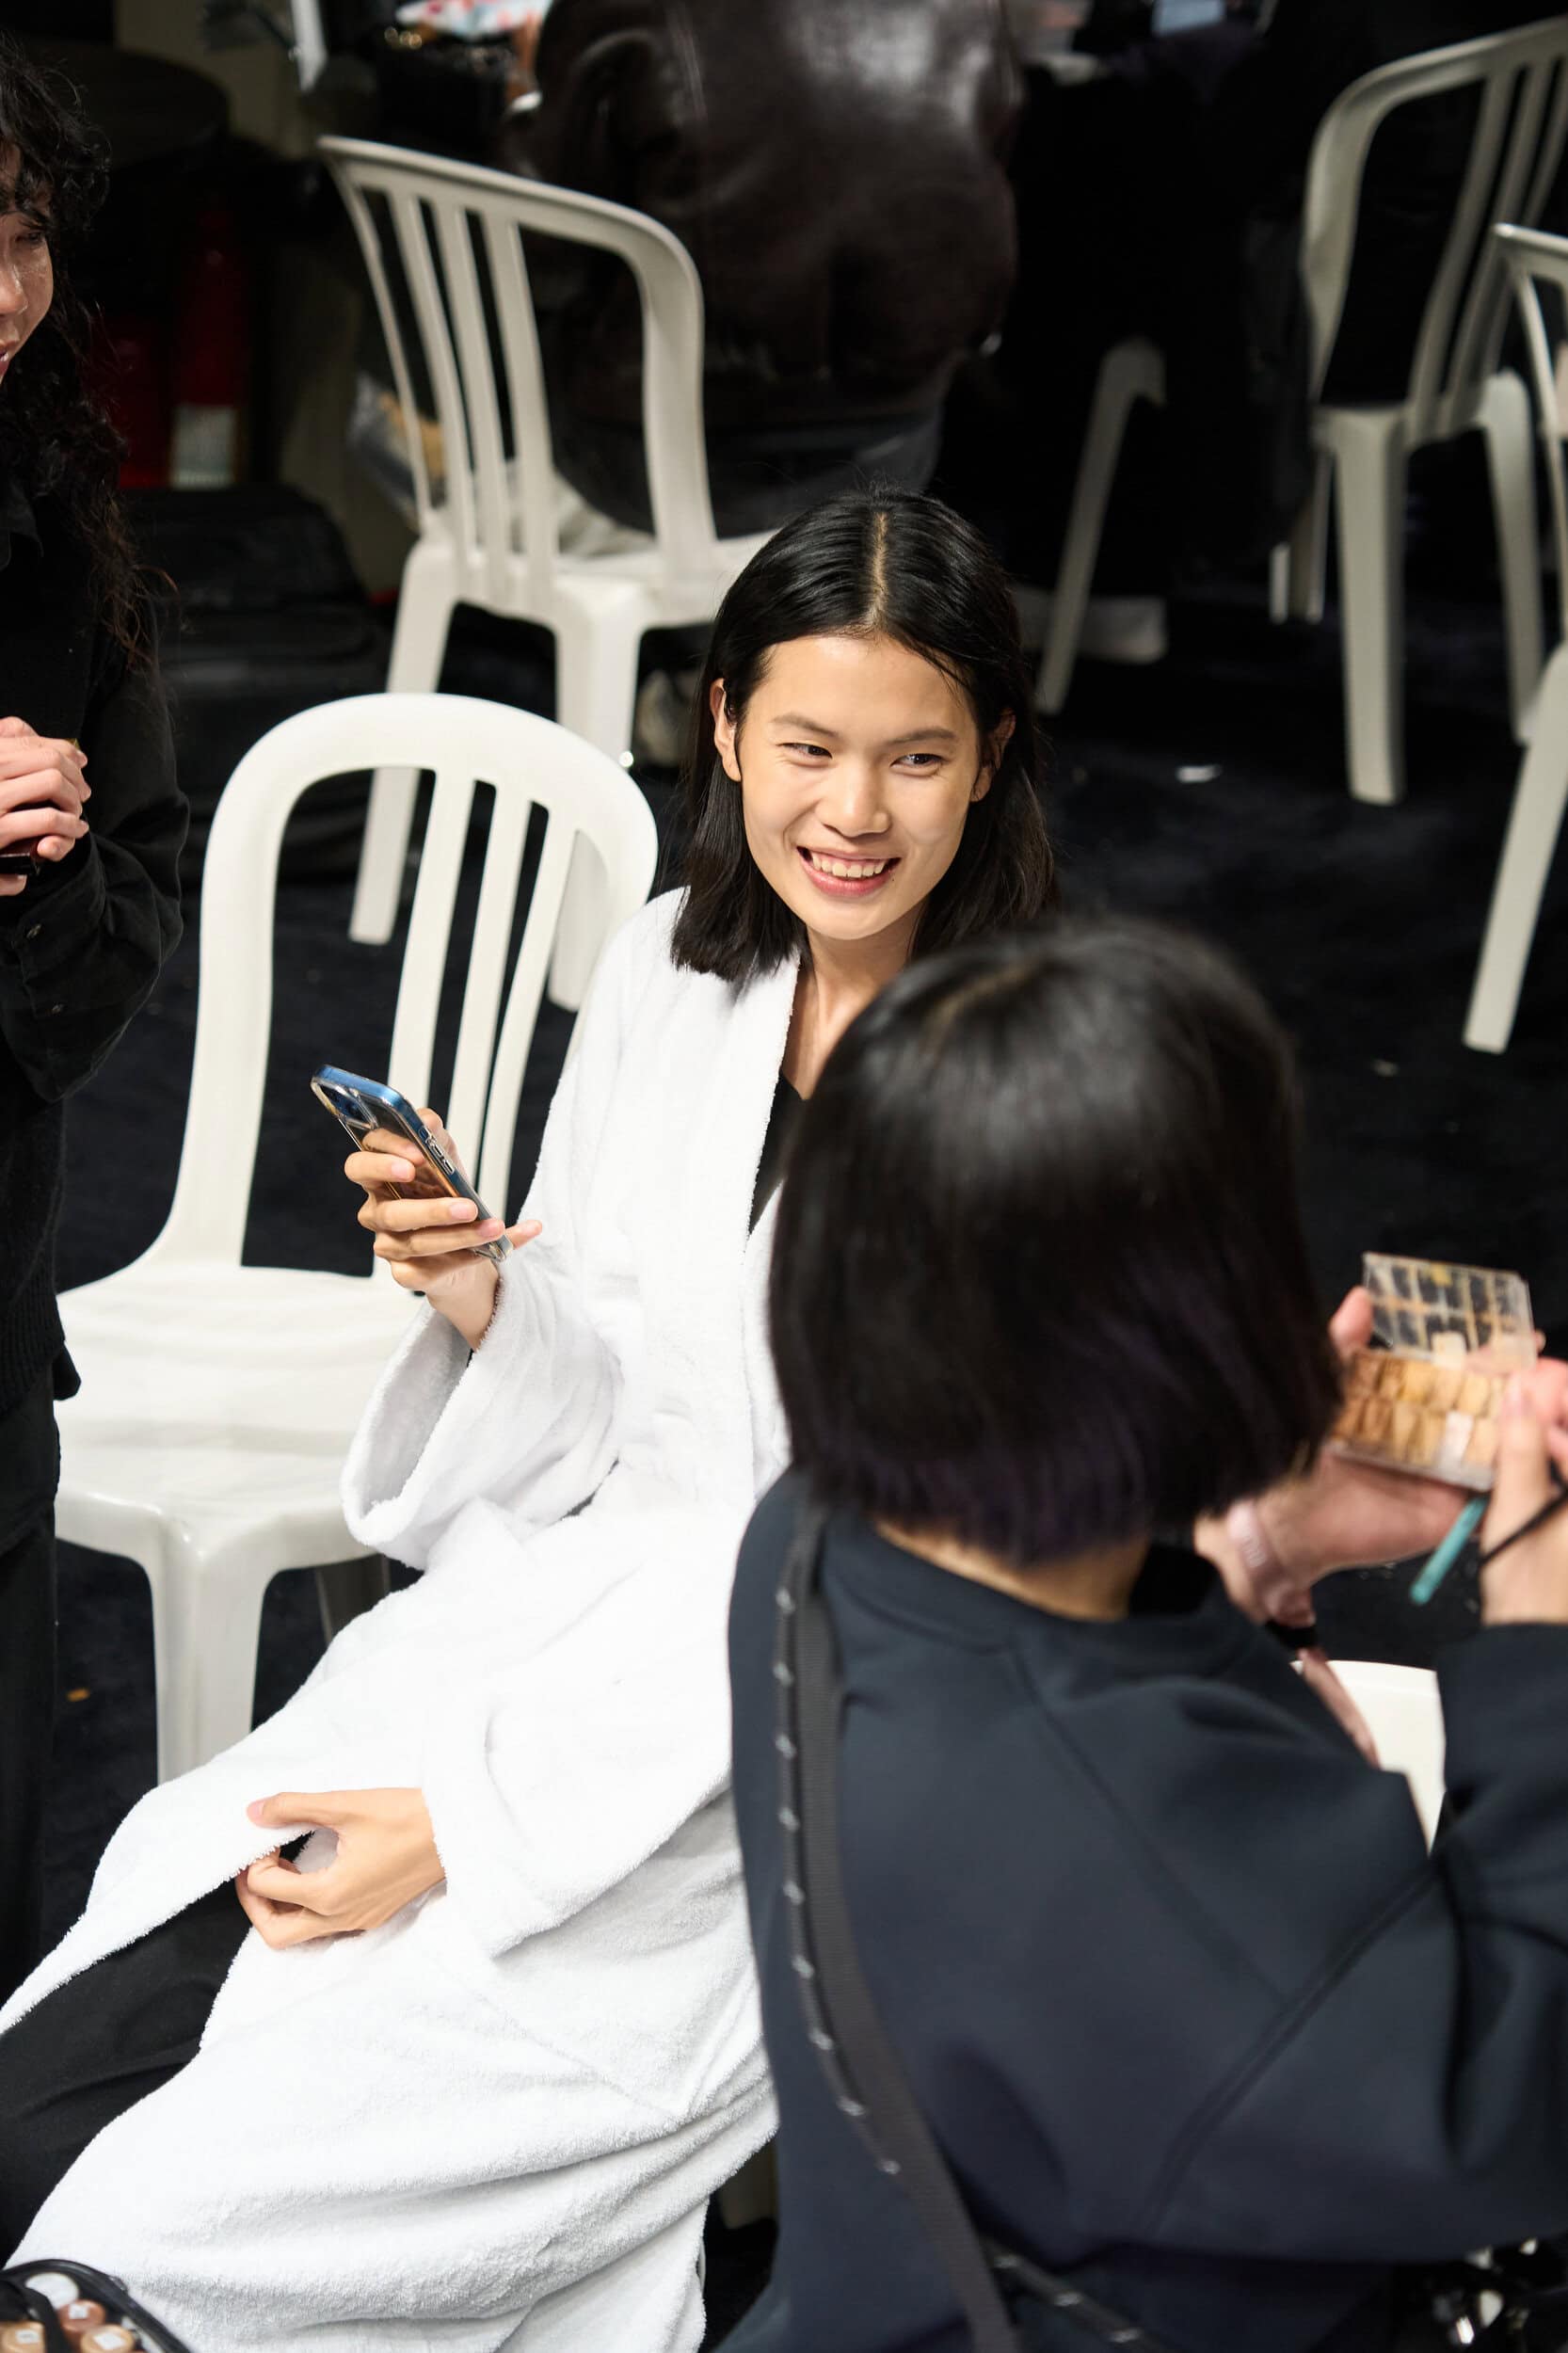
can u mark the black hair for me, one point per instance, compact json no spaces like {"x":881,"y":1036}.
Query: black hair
{"x":54,"y":436}
{"x":888,"y":564}
{"x":1039,"y":1279}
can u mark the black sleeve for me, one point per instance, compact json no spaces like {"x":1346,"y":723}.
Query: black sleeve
{"x":82,"y":946}
{"x":1412,"y":2104}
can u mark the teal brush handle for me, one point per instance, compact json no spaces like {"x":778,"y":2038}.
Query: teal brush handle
{"x":1436,"y":1568}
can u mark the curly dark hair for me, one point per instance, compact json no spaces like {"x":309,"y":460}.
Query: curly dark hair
{"x":53,"y":434}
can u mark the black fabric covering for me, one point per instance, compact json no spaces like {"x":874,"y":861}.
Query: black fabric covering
{"x":103,"y":2040}
{"x":1169,"y":1972}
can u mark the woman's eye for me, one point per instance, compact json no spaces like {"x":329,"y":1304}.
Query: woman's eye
{"x":812,"y":751}
{"x":922,"y":760}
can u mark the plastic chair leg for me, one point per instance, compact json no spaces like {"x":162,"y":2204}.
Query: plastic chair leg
{"x":1298,"y":567}
{"x":595,"y":659}
{"x":1370,"y":453}
{"x":1509,"y":427}
{"x":206,"y":1627}
{"x":425,"y":607}
{"x":1130,"y":371}
{"x":1533,"y":826}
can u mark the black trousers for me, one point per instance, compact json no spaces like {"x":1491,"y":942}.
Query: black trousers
{"x":30,"y":1473}
{"x":101,"y":2042}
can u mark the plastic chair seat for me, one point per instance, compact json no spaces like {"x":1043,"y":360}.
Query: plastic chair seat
{"x":249,"y":1383}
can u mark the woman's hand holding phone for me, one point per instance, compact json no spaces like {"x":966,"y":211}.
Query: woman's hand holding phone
{"x":42,"y":792}
{"x":429,"y":1239}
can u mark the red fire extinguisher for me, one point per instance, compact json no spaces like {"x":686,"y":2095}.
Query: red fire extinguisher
{"x":212,"y":355}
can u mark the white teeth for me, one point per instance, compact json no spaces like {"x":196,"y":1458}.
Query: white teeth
{"x":843,"y":870}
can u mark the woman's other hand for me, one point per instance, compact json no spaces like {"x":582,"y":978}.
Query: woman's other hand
{"x":42,"y":792}
{"x":1348,"y":1514}
{"x":428,"y":1237}
{"x":1528,"y":1584}
{"x":386,"y":1857}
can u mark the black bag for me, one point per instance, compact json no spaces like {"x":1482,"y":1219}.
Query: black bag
{"x":21,"y":2301}
{"x":1007,"y":2297}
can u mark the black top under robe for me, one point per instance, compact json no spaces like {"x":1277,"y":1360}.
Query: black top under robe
{"x":81,"y":947}
{"x":786,"y":1107}
{"x":1189,"y":2008}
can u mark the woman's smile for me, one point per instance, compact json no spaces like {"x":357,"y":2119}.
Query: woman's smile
{"x":840,"y":878}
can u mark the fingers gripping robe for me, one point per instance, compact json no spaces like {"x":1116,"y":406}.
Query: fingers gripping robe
{"x":386,"y":1858}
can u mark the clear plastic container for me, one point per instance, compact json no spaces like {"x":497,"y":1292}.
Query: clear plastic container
{"x":1424,"y":1398}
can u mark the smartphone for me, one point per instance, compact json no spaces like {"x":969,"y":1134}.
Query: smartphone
{"x":19,"y":861}
{"x":361,"y":1104}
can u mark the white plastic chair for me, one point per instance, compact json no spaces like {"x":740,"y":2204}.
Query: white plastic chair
{"x":1542,"y":792}
{"x":1404,"y":1715}
{"x":218,"y":1400}
{"x":1455,"y":384}
{"x":1130,"y":371}
{"x":492,"y":541}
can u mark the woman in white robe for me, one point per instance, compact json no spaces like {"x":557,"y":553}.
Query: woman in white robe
{"x":493,"y":2118}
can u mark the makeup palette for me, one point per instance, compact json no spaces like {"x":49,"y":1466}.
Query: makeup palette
{"x":1425,"y":1397}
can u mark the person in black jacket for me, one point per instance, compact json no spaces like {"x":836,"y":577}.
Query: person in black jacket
{"x":837,"y":176}
{"x":88,"y":894}
{"x":1196,"y":2019}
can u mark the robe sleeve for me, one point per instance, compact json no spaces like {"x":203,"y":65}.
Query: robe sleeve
{"x":1414,"y":2101}
{"x":526,"y":1422}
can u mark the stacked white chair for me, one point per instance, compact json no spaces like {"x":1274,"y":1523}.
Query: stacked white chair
{"x":491,"y":537}
{"x":1404,"y":1715}
{"x":1131,"y":372}
{"x":1455,"y":384}
{"x":1533,"y":260}
{"x":218,"y":1400}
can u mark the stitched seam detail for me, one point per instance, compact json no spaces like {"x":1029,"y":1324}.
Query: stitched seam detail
{"x":1284,"y":2030}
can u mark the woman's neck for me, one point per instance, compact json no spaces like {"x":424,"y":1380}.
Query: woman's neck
{"x":1096,"y":1584}
{"x":838,"y":979}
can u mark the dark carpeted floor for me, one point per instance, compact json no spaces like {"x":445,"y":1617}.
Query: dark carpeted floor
{"x":1210,"y":789}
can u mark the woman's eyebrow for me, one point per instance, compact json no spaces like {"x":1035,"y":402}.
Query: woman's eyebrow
{"x":797,"y":719}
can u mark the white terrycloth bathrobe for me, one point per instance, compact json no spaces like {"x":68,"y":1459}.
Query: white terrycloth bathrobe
{"x":494,"y":2121}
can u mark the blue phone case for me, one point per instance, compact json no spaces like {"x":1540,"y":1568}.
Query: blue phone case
{"x":359,"y":1104}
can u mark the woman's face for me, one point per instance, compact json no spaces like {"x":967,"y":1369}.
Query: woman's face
{"x":857,"y":763}
{"x":27,"y":271}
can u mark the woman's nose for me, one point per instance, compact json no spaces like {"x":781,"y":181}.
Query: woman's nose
{"x":14,"y":294}
{"x":853,"y":803}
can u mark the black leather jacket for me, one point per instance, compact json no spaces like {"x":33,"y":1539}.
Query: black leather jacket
{"x":835,"y":167}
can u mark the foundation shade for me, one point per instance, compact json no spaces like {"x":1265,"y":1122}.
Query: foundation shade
{"x":23,"y":2336}
{"x":1482,"y":1452}
{"x":1417,"y":1385}
{"x":1360,"y":1377}
{"x":111,"y":2338}
{"x":1476,"y":1394}
{"x":1391,"y":1376}
{"x":78,"y":2318}
{"x":1446,"y":1381}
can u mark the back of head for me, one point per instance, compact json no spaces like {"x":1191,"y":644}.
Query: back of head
{"x":1039,"y":1280}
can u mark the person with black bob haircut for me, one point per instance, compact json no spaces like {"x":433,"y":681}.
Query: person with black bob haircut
{"x":1196,"y":2022}
{"x":569,"y":1446}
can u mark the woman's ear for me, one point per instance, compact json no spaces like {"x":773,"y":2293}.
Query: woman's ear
{"x":725,"y":729}
{"x":1000,"y":737}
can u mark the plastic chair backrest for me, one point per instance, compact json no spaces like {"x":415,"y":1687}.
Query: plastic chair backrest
{"x":1517,"y":142}
{"x":458,"y":234}
{"x":1533,"y":257}
{"x":529,"y":763}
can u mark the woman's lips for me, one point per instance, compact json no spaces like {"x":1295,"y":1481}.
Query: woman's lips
{"x":855,"y":883}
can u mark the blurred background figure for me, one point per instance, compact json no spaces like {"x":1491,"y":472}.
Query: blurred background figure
{"x":89,"y":905}
{"x":839,"y":178}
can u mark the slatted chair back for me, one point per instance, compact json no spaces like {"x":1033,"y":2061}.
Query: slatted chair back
{"x":529,"y":763}
{"x":1521,"y":124}
{"x":452,"y":236}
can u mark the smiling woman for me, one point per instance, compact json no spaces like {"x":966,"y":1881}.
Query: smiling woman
{"x":863,"y":774}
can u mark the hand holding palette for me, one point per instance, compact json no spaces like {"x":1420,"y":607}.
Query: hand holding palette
{"x":1427,"y":1398}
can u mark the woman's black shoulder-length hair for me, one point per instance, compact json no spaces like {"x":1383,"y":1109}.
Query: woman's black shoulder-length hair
{"x":888,"y":563}
{"x":54,"y":436}
{"x":1039,"y":1279}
